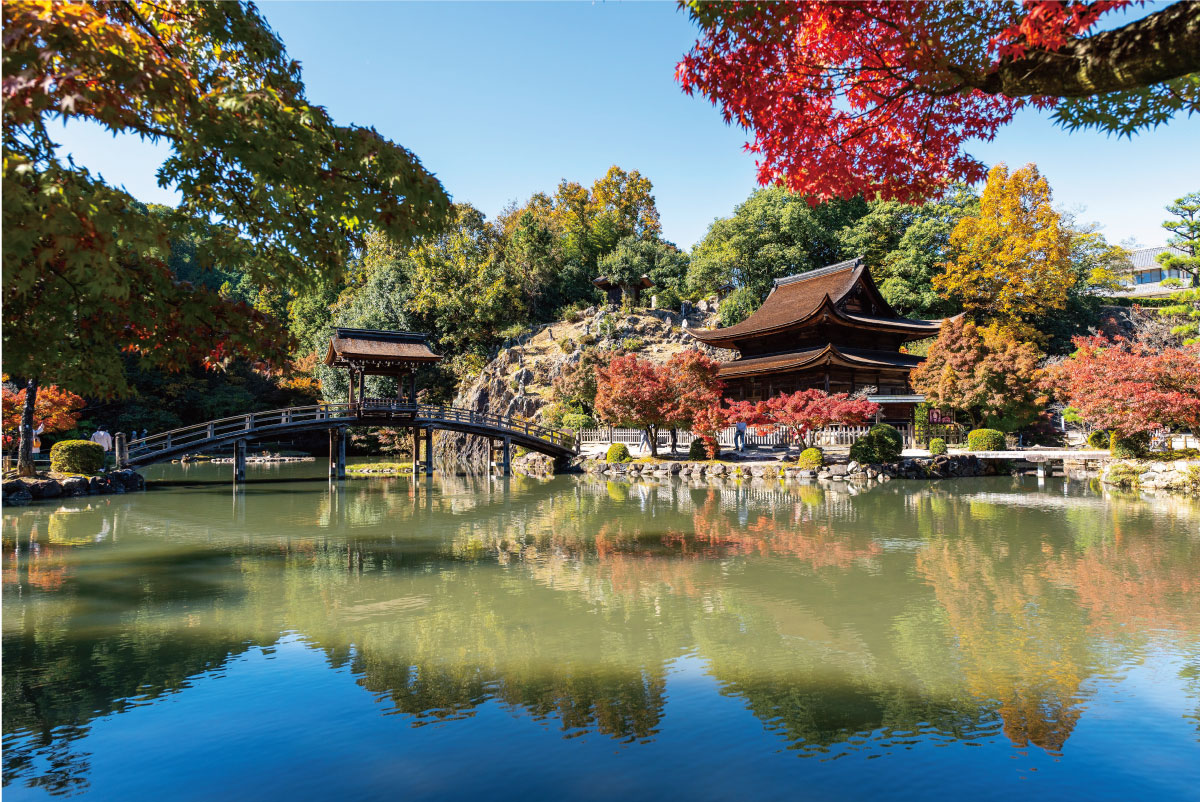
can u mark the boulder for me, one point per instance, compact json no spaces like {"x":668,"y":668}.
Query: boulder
{"x":43,"y":488}
{"x":838,"y":469}
{"x":16,"y":492}
{"x":75,"y":486}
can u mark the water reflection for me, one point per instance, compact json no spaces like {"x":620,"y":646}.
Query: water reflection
{"x":843,"y":622}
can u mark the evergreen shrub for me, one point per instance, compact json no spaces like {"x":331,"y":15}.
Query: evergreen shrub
{"x":883,"y":443}
{"x":1132,"y":447}
{"x":810,"y":459}
{"x":618,"y":452}
{"x":1099,"y":439}
{"x":76,"y":456}
{"x":937,"y":447}
{"x":985,"y":440}
{"x":696,"y":449}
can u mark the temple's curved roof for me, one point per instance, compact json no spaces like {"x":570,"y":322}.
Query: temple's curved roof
{"x":796,"y":300}
{"x":828,"y":355}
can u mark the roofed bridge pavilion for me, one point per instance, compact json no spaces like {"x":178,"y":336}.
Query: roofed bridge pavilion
{"x":829,"y":329}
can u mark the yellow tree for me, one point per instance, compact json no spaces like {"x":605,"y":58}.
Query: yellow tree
{"x":1011,"y":261}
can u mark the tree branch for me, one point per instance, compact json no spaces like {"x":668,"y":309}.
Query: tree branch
{"x":1148,"y":51}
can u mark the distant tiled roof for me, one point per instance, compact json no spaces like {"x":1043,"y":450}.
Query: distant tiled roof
{"x":1147,"y":258}
{"x":603,"y":283}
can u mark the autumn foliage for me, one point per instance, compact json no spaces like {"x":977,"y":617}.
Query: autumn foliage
{"x":880,"y":96}
{"x":985,"y":372}
{"x":1011,"y":260}
{"x":804,"y":413}
{"x":1129,"y":388}
{"x":636,"y":392}
{"x":55,"y":410}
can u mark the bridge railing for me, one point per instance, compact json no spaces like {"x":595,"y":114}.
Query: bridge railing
{"x":255,"y":422}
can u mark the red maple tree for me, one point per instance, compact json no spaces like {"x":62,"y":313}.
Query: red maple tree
{"x":54,"y":410}
{"x":1129,"y":388}
{"x":879,"y":96}
{"x":806,"y":412}
{"x":691,"y":377}
{"x":632,"y":392}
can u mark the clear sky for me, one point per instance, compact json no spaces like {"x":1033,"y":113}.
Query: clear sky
{"x":501,"y":100}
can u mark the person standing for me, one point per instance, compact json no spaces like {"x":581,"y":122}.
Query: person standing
{"x":103,"y":438}
{"x":739,"y":436}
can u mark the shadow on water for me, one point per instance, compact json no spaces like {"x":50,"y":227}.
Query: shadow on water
{"x":843,"y":622}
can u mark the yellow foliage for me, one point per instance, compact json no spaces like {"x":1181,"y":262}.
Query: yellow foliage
{"x":1012,"y":260}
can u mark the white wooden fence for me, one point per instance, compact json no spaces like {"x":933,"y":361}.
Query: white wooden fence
{"x":833,"y":436}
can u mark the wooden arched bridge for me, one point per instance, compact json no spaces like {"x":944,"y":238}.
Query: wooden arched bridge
{"x":504,"y":430}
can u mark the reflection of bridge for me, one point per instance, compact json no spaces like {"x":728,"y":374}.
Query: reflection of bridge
{"x":504,"y":431}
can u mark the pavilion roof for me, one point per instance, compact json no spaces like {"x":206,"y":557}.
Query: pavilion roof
{"x":378,"y":351}
{"x":603,"y":283}
{"x":800,"y":299}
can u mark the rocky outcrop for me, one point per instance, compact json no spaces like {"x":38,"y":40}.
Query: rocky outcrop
{"x":47,"y":486}
{"x":519,"y":379}
{"x":1179,"y":475}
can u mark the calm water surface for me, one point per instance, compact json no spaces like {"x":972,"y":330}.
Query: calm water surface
{"x":459,"y":638}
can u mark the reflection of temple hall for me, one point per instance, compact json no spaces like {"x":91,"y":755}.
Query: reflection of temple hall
{"x":829,"y":329}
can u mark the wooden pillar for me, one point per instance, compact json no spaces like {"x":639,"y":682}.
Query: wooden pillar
{"x":507,"y":456}
{"x":350,"y":392}
{"x":122,"y":449}
{"x":337,"y":452}
{"x":239,"y":462}
{"x":416,"y":463}
{"x":429,"y":451}
{"x":412,"y":398}
{"x":361,"y":386}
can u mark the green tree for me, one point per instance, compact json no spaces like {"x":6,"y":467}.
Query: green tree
{"x":1185,"y":237}
{"x":906,"y":245}
{"x":635,"y":257}
{"x":86,"y":263}
{"x":773,"y":233}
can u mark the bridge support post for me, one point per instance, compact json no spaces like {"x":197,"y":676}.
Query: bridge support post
{"x":429,"y":451}
{"x":239,"y":462}
{"x":122,"y":449}
{"x":507,"y":456}
{"x":416,"y":462}
{"x":337,"y":452}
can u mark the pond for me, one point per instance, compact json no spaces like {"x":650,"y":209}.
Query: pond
{"x":465,"y":637}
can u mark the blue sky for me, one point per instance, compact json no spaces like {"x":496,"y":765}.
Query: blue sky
{"x":501,"y":100}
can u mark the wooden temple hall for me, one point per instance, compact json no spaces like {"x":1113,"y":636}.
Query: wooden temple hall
{"x":830,"y":329}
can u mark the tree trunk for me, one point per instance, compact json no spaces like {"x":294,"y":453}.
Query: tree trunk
{"x":674,"y":439}
{"x":25,"y":450}
{"x":652,"y":433}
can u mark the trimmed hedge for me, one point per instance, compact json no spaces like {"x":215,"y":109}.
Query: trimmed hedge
{"x":986,"y":440}
{"x":937,"y":447}
{"x":810,"y":459}
{"x":76,"y":456}
{"x":1131,"y":447}
{"x":1099,"y":439}
{"x":883,"y":443}
{"x":618,"y":452}
{"x":696,"y":449}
